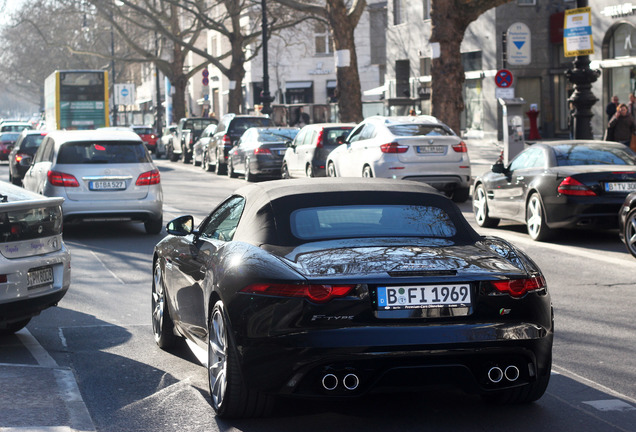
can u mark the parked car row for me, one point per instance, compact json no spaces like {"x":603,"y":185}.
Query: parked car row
{"x":411,"y":148}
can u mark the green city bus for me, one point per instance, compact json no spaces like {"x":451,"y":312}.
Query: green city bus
{"x":76,"y":99}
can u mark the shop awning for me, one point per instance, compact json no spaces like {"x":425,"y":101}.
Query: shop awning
{"x":377,"y":91}
{"x":299,"y":85}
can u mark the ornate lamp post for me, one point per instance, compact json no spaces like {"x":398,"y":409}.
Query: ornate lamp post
{"x":266,"y":98}
{"x":582,"y":98}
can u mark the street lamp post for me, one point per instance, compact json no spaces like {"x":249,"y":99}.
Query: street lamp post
{"x":266,"y":99}
{"x":582,"y":98}
{"x":112,"y":68}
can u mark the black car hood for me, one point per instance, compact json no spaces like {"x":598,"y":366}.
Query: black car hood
{"x":404,"y":257}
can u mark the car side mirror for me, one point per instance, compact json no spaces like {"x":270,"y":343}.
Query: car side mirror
{"x":498,"y":167}
{"x":26,"y":161}
{"x":181,"y":226}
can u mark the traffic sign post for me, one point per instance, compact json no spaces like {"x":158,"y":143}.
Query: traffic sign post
{"x":503,"y":78}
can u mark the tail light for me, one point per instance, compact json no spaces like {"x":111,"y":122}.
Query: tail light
{"x":148,"y":178}
{"x":393,"y":148}
{"x":315,"y":293}
{"x":319,"y":141}
{"x":57,"y":178}
{"x":260,"y":150}
{"x":460,"y":148}
{"x":520,"y":287}
{"x":227,"y":141}
{"x":571,"y":186}
{"x":19,"y":157}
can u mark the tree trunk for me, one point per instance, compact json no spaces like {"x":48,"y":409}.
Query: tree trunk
{"x":236,"y":74}
{"x":450,"y":19}
{"x":348,"y":87}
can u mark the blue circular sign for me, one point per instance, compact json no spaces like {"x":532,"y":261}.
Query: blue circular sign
{"x":503,"y":78}
{"x":124,"y":92}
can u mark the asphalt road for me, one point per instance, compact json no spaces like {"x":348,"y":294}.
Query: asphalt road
{"x":92,"y":364}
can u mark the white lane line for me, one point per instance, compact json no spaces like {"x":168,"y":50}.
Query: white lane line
{"x":594,"y":384}
{"x":610,"y":405}
{"x":107,"y":269}
{"x":79,"y":417}
{"x":37,"y":351}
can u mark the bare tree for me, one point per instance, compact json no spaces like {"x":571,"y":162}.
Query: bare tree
{"x":450,"y":19}
{"x":343,"y":21}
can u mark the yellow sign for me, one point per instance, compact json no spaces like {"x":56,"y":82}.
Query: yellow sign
{"x":577,"y":32}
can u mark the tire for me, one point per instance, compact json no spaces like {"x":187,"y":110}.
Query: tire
{"x":162,"y":325}
{"x":535,"y":219}
{"x":170,"y":154}
{"x":187,"y":157}
{"x":229,"y":395}
{"x":248,"y":173}
{"x":219,"y":169}
{"x":284,"y":172}
{"x":366,"y":172}
{"x":331,"y":170}
{"x":309,"y":172}
{"x":230,"y":170}
{"x":15,"y":181}
{"x":153,"y":226}
{"x":460,"y":194}
{"x":480,"y":208}
{"x":14,"y":327}
{"x":205,"y":163}
{"x":524,"y":394}
{"x":629,"y":232}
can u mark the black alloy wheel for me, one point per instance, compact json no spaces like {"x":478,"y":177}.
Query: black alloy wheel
{"x":162,"y":325}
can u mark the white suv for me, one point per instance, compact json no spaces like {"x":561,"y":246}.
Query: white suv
{"x":419,"y":148}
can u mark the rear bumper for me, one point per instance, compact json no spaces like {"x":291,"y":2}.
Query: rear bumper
{"x":135,"y":210}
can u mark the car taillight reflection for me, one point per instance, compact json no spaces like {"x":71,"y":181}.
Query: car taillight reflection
{"x":227,"y":141}
{"x":148,"y":178}
{"x":393,"y":148}
{"x":260,"y":150}
{"x":57,"y":178}
{"x":571,"y":186}
{"x":319,"y":141}
{"x":316,"y":293}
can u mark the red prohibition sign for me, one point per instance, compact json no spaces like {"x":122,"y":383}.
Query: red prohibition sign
{"x":503,"y":78}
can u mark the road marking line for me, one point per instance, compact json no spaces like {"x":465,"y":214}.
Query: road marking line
{"x":610,"y":405}
{"x":109,"y":270}
{"x":37,"y":351}
{"x":595,"y":385}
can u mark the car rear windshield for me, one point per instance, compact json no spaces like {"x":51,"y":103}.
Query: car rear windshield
{"x":198,"y":124}
{"x":277,"y":135}
{"x":568,"y":154}
{"x":32,"y":142}
{"x":240,"y":125}
{"x":103,"y":152}
{"x":14,"y":128}
{"x":371,"y":221}
{"x":414,"y":129}
{"x":28,"y":224}
{"x":330,"y":136}
{"x":143,"y":131}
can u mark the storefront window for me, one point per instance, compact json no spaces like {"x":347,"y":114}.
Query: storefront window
{"x":622,"y":79}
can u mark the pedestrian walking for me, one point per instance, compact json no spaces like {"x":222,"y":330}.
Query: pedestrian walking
{"x":632,"y":106}
{"x":571,"y":120}
{"x":611,"y":107}
{"x":621,"y":126}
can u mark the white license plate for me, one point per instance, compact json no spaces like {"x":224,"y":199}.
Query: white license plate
{"x":620,"y":187}
{"x":431,"y":149}
{"x":424,"y":296}
{"x":40,"y":276}
{"x":107,"y":185}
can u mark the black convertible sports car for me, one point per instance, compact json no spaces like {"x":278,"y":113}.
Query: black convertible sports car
{"x":558,"y":184}
{"x":334,"y":287}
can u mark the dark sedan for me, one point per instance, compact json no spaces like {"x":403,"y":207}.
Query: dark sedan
{"x":259,"y":152}
{"x":560,"y":184}
{"x":627,"y":223}
{"x":26,"y":145}
{"x":333,"y":287}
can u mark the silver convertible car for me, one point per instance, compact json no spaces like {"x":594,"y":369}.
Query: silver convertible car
{"x":35,"y":266}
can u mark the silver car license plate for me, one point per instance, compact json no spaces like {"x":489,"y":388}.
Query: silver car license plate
{"x":107,"y":185}
{"x":40,"y":276}
{"x":431,"y":149}
{"x":620,"y":187}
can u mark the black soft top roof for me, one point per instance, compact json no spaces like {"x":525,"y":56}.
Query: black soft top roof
{"x":266,"y":217}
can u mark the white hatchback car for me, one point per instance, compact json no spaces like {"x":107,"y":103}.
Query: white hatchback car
{"x":409,"y":148}
{"x":35,"y":266}
{"x":101,"y":174}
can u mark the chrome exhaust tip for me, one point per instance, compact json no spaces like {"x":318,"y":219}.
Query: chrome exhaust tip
{"x":511,"y":373}
{"x":351,"y":381}
{"x":495,"y":374}
{"x":329,"y":382}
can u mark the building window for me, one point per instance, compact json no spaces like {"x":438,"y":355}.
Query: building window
{"x":299,"y":92}
{"x":471,"y":61}
{"x":398,"y":12}
{"x":425,"y":66}
{"x":322,"y":38}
